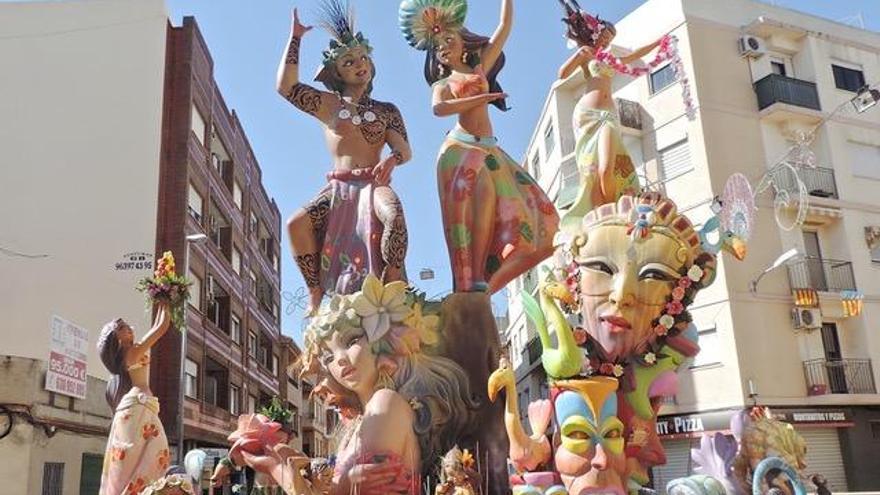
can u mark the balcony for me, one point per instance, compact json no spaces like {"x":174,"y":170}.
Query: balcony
{"x":845,"y":376}
{"x":820,"y":182}
{"x":822,"y":275}
{"x":787,"y":90}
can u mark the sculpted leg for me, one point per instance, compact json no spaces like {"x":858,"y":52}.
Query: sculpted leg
{"x":607,"y":155}
{"x":306,"y":230}
{"x":483,"y":222}
{"x":394,"y":234}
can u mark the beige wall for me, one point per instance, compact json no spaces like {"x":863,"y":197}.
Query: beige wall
{"x":81,"y":99}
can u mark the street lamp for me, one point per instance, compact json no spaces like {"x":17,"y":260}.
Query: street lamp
{"x":190,"y":240}
{"x":867,"y":98}
{"x":791,"y":253}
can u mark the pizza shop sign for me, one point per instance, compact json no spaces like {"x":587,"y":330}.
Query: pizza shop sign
{"x":691,"y":424}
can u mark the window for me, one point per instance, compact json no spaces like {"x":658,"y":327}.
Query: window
{"x":536,"y":166}
{"x":235,"y":329}
{"x":848,"y":78}
{"x":236,"y":194}
{"x":252,"y":404}
{"x":255,"y":224}
{"x":234,"y":400}
{"x":191,"y":385}
{"x":198,"y":124}
{"x":675,"y":160}
{"x":236,"y":260}
{"x":195,"y":204}
{"x":864,"y":160}
{"x":252,"y":344}
{"x":195,"y":291}
{"x":253,"y":283}
{"x":274,"y":364}
{"x":709,"y":348}
{"x":549,"y":140}
{"x":778,"y":67}
{"x":53,"y":478}
{"x":90,"y":473}
{"x":661,"y":78}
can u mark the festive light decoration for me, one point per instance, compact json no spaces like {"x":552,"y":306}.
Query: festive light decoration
{"x":853,"y":302}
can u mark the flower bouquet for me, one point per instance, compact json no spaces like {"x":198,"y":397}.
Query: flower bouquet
{"x":166,"y":286}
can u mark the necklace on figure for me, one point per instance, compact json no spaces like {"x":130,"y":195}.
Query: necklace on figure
{"x":357,"y":117}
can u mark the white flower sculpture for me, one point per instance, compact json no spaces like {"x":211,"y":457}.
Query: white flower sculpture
{"x":379,"y":306}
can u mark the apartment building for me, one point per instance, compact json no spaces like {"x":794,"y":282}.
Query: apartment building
{"x":761,"y":77}
{"x":291,"y":389}
{"x":119,"y":145}
{"x":210,"y":185}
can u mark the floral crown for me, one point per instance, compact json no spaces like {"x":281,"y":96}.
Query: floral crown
{"x":338,"y":19}
{"x":390,"y":315}
{"x":422,"y":20}
{"x":580,"y":22}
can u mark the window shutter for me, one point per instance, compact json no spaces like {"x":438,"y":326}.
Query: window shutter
{"x":676,"y":160}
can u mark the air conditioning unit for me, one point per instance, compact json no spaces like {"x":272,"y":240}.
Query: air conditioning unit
{"x":806,"y":318}
{"x":751,"y":46}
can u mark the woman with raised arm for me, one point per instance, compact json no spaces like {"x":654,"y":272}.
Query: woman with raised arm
{"x":137,"y":451}
{"x":498,"y":221}
{"x":357,"y":199}
{"x":601,"y":155}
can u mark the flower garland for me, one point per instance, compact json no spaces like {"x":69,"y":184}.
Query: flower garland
{"x":668,"y":51}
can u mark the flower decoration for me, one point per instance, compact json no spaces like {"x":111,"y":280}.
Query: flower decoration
{"x":166,"y":286}
{"x":695,"y":273}
{"x":174,"y":483}
{"x":422,"y":20}
{"x":467,"y":459}
{"x":667,"y":321}
{"x":678,"y":293}
{"x":685,"y":283}
{"x":426,"y":325}
{"x":643,"y":220}
{"x":674,"y":308}
{"x":338,"y":48}
{"x":650,"y":358}
{"x":617,"y":370}
{"x":379,"y":306}
{"x":580,"y":336}
{"x":254,"y":433}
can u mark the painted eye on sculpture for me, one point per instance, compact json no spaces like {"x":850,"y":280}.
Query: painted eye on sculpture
{"x":654,"y":274}
{"x":578,"y":435}
{"x":354,"y":339}
{"x":613,"y":434}
{"x":598,"y":266}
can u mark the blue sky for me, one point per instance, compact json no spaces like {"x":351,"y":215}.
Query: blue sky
{"x":246,"y":40}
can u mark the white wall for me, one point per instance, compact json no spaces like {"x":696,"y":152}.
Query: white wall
{"x":81,"y":100}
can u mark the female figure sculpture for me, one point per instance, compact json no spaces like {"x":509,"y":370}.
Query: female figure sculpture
{"x":137,"y":451}
{"x":355,"y":225}
{"x":412,"y":406}
{"x":498,"y":221}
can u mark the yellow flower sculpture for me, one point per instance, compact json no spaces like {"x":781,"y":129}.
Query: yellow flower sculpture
{"x":379,"y":306}
{"x":426,"y":325}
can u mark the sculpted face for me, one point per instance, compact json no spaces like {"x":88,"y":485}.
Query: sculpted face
{"x":625,"y":285}
{"x":125,"y":335}
{"x":449,"y":47}
{"x":355,"y":68}
{"x":350,"y":361}
{"x":590,"y":456}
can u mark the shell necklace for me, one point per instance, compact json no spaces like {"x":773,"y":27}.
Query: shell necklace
{"x":357,"y":117}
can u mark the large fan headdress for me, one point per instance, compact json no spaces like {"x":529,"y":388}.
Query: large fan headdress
{"x":422,"y":20}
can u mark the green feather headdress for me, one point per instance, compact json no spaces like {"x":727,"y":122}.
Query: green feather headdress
{"x":422,"y":20}
{"x":337,"y":18}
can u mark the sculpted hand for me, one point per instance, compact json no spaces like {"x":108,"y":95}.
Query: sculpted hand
{"x":220,"y":476}
{"x":490,"y":97}
{"x":382,"y":172}
{"x":585,"y":53}
{"x":297,"y":28}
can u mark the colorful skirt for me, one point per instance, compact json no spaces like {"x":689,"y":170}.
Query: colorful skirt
{"x":525,"y":220}
{"x":137,"y":451}
{"x":589,"y":124}
{"x":352,"y":243}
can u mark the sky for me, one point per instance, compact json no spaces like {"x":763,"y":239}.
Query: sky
{"x":246,"y":40}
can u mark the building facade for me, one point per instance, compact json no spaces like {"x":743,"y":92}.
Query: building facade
{"x":292,"y":389}
{"x":754,"y":102}
{"x":210,"y":185}
{"x":103,"y":182}
{"x":319,"y":424}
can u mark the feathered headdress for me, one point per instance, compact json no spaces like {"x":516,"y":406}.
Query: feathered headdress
{"x":422,"y":20}
{"x":337,"y":18}
{"x":582,"y":27}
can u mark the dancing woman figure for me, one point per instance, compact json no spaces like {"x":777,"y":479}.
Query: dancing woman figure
{"x":498,"y":221}
{"x":601,"y":157}
{"x":355,"y":224}
{"x":137,"y":451}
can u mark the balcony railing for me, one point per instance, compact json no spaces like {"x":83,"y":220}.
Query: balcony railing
{"x":822,"y":275}
{"x":845,"y":376}
{"x":781,"y":89}
{"x":819,"y":181}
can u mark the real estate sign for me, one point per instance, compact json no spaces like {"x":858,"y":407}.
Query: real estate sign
{"x":68,"y":345}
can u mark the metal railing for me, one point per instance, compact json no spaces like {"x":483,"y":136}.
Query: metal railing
{"x":845,"y":376}
{"x":781,"y":89}
{"x":822,"y":275}
{"x":819,"y":181}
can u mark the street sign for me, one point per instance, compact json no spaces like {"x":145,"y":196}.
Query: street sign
{"x":68,"y":344}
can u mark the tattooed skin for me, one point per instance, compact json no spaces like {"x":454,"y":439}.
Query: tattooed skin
{"x":310,"y":266}
{"x":293,"y":52}
{"x":305,"y":97}
{"x":387,"y":118}
{"x":317,"y":211}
